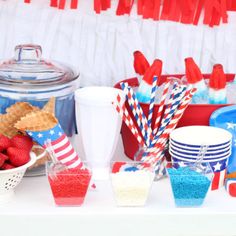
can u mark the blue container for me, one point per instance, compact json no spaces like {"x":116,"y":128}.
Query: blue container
{"x":190,"y":184}
{"x":27,"y":77}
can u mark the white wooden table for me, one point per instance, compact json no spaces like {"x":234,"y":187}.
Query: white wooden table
{"x":32,"y":213}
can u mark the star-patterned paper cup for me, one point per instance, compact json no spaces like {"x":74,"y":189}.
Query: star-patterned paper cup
{"x":64,"y":152}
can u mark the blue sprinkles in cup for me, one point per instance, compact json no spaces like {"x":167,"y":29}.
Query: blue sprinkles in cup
{"x":189,"y":185}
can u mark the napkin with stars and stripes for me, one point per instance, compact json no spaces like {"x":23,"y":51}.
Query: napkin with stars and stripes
{"x":64,"y":152}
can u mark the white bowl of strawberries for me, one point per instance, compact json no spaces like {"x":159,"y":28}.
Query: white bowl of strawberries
{"x":15,"y":158}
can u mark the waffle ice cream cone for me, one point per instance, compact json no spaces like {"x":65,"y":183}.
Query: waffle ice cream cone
{"x":7,"y":128}
{"x":36,"y":121}
{"x":50,"y":106}
{"x":13,"y":114}
{"x":20,"y":109}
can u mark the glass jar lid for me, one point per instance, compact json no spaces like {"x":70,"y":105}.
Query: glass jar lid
{"x":28,"y":69}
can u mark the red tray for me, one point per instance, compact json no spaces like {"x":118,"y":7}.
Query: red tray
{"x":195,"y":114}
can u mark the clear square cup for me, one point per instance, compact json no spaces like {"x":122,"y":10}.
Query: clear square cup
{"x":190,"y":182}
{"x":69,"y":187}
{"x":131,"y":182}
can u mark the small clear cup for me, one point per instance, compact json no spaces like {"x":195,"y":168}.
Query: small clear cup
{"x":69,"y":187}
{"x":131,"y":182}
{"x":190,"y":182}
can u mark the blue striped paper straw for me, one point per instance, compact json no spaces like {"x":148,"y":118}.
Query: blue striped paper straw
{"x":175,"y":101}
{"x":151,"y":108}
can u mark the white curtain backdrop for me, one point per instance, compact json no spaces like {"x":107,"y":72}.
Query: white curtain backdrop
{"x":101,"y":46}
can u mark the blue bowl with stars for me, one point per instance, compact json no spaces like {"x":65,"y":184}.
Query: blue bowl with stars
{"x":190,"y":183}
{"x":225,"y":118}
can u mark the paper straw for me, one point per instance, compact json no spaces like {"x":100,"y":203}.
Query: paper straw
{"x":170,"y":111}
{"x":161,"y":107}
{"x":158,"y":148}
{"x":151,"y":107}
{"x":174,"y":121}
{"x":136,"y":110}
{"x":160,"y":169}
{"x":128,"y":120}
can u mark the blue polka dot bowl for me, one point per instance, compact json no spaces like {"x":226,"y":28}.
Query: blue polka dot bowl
{"x":190,"y":182}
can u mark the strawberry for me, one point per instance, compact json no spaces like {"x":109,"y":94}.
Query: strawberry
{"x":22,"y":142}
{"x":17,"y":156}
{"x":5,"y":142}
{"x":3,"y":158}
{"x":7,"y":166}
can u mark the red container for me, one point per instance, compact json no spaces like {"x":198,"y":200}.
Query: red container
{"x":195,"y":114}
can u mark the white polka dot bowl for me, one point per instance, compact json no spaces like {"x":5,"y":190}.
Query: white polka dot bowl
{"x":9,"y":179}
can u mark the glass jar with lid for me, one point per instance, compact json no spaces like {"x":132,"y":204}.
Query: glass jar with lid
{"x":28,"y":77}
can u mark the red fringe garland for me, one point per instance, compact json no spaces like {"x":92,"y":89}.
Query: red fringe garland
{"x":184,"y":11}
{"x":124,"y":7}
{"x":101,"y":5}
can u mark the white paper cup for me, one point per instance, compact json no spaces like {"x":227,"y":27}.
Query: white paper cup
{"x":98,"y":125}
{"x":195,"y":136}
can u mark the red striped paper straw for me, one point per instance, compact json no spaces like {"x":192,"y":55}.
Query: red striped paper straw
{"x":161,"y":107}
{"x":159,"y":147}
{"x":136,"y":109}
{"x":128,"y":120}
{"x":178,"y":114}
{"x":173,"y":104}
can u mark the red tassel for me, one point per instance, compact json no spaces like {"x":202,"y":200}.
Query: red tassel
{"x":166,"y":9}
{"x":120,"y":8}
{"x":124,"y":7}
{"x":233,"y":5}
{"x":208,"y":12}
{"x":200,"y":7}
{"x":188,"y":8}
{"x":74,"y":4}
{"x":27,"y":1}
{"x":215,"y":20}
{"x":105,"y":4}
{"x":54,"y":3}
{"x":175,"y":13}
{"x":140,"y":4}
{"x":214,"y":11}
{"x":62,"y":4}
{"x":156,"y":10}
{"x":97,"y":6}
{"x":229,"y":4}
{"x":224,"y":14}
{"x":148,"y":9}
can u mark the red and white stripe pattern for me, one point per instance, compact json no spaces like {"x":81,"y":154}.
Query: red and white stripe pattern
{"x":65,"y":153}
{"x":162,"y":140}
{"x":127,"y":119}
{"x":59,"y":145}
{"x":161,"y":107}
{"x":218,"y":179}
